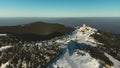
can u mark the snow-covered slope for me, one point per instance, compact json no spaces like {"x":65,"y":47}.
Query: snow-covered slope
{"x":115,"y":62}
{"x":83,"y":59}
{"x":4,"y":65}
{"x":77,"y":61}
{"x":79,"y":58}
{"x":77,"y":50}
{"x":82,"y":35}
{"x":3,"y":34}
{"x":4,"y":47}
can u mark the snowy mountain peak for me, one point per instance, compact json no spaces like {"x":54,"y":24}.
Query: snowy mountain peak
{"x":85,"y":31}
{"x":77,"y":50}
{"x":75,"y":58}
{"x":83,"y":35}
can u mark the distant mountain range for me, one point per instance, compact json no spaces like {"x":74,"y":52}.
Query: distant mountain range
{"x":36,"y":30}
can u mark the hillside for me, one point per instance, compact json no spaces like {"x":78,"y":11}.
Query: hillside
{"x":36,"y":30}
{"x":111,"y":43}
{"x":84,"y":47}
{"x":89,"y":47}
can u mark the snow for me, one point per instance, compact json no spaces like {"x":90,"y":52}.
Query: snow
{"x":69,"y":60}
{"x":40,"y":44}
{"x":4,"y":65}
{"x":77,"y":61}
{"x":115,"y":62}
{"x":5,"y":47}
{"x":82,"y":60}
{"x":75,"y":58}
{"x":83,"y":36}
{"x":85,"y":61}
{"x":3,"y":34}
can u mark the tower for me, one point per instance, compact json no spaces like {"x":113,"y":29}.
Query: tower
{"x":84,"y":26}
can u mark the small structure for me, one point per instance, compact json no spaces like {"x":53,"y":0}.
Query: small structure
{"x":3,"y":34}
{"x":84,"y":26}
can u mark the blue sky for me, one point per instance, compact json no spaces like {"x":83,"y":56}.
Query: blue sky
{"x":59,"y":8}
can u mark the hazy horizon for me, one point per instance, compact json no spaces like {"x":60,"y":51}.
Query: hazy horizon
{"x":101,"y":14}
{"x":109,"y":24}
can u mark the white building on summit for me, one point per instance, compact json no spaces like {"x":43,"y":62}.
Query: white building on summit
{"x":84,"y":26}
